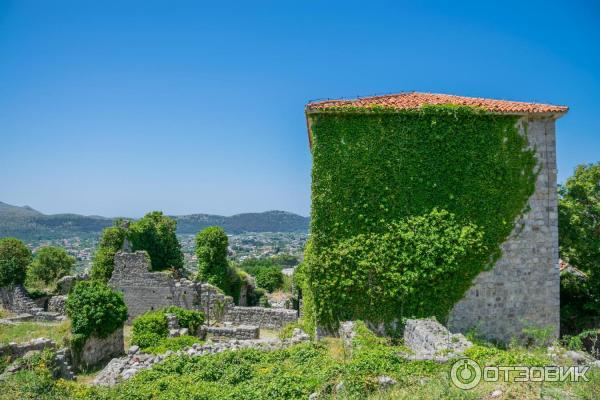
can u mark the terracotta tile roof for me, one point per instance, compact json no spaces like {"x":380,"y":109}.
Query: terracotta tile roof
{"x":414,"y":100}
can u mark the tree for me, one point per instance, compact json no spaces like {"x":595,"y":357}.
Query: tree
{"x":50,"y":264}
{"x":211,"y":250}
{"x":111,"y":242}
{"x":14,"y":259}
{"x":156,"y":234}
{"x":269,"y":278}
{"x":579,"y":239}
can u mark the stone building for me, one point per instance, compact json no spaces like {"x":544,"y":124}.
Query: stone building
{"x":522,"y":288}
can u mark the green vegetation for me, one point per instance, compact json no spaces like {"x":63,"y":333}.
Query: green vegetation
{"x":298,"y":371}
{"x":579,"y":238}
{"x":50,"y":264}
{"x":376,"y":167}
{"x":94,"y":309}
{"x":14,"y":259}
{"x":26,"y":331}
{"x":156,"y":234}
{"x":269,"y":278}
{"x":211,"y":250}
{"x":150,"y":330}
{"x":111,"y":242}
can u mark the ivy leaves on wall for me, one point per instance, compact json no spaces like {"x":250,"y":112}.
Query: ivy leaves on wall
{"x":373,"y":167}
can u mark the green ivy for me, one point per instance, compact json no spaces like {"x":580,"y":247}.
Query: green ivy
{"x":373,"y":167}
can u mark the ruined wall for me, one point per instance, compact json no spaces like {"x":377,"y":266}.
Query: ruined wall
{"x":96,"y":350}
{"x":15,"y":299}
{"x":523,"y":288}
{"x":144,"y":290}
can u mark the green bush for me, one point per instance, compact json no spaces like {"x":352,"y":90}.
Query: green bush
{"x":94,"y":309}
{"x":111,"y":241}
{"x":14,"y":259}
{"x":174,"y":344}
{"x":269,"y":278}
{"x":419,"y":267}
{"x":156,"y":234}
{"x":190,"y":319}
{"x":149,"y":329}
{"x":50,"y":264}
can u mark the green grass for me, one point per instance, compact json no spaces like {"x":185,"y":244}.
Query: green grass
{"x":26,"y":331}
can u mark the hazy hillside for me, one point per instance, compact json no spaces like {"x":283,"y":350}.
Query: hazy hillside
{"x":29,"y":224}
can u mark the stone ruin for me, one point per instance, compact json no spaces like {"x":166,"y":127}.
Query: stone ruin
{"x":145,"y":290}
{"x":16,"y":299}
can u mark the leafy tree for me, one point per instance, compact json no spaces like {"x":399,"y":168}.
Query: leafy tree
{"x":14,"y":259}
{"x":111,"y":242}
{"x":94,"y":309}
{"x":211,"y":250}
{"x":156,"y":234}
{"x":579,"y":239}
{"x":269,"y":278}
{"x":50,"y":264}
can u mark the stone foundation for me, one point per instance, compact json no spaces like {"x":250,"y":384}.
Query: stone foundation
{"x":19,"y":349}
{"x":269,"y":318}
{"x":241,"y":332}
{"x":95,"y":350}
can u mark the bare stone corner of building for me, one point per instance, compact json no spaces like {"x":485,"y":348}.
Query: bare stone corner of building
{"x":522,"y":290}
{"x":97,"y":350}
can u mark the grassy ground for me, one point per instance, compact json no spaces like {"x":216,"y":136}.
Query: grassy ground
{"x":26,"y":331}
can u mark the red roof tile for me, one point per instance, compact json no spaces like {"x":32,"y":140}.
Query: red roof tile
{"x":415,"y":100}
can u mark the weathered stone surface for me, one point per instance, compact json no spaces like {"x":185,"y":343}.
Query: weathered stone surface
{"x":347,"y":332}
{"x":95,"y":350}
{"x":240,"y":332}
{"x":19,"y":349}
{"x":64,"y":284}
{"x":522,"y":289}
{"x":16,"y":299}
{"x":270,"y":318}
{"x":430,"y":339}
{"x":57,"y":304}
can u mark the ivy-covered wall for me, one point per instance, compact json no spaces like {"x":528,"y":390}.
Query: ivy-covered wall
{"x":379,"y":166}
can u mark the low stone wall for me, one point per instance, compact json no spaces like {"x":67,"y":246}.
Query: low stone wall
{"x":269,"y":318}
{"x":96,"y":350}
{"x":57,"y":304}
{"x":241,"y":332}
{"x":64,"y":284}
{"x":19,"y":349}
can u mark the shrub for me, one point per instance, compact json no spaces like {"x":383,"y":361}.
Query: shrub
{"x":94,"y":309}
{"x":111,"y":242}
{"x":211,"y":250}
{"x":419,"y":267}
{"x":269,"y":278}
{"x":190,"y":319}
{"x":174,"y":344}
{"x":50,"y":264}
{"x":156,"y":234}
{"x":14,"y":259}
{"x":149,"y":329}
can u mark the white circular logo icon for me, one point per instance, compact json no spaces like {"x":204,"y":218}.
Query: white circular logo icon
{"x":465,"y":374}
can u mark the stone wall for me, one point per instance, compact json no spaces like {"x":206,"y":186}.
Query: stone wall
{"x":95,"y":350}
{"x":144,"y":290}
{"x":240,"y":332}
{"x":19,"y":349}
{"x":522,"y":289}
{"x":269,"y":318}
{"x":57,"y":304}
{"x":15,"y":299}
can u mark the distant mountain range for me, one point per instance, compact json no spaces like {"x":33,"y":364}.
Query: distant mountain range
{"x":28,"y":224}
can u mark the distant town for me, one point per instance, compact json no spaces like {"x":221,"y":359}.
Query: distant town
{"x":241,"y":246}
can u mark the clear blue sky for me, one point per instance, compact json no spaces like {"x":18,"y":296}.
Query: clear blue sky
{"x":121,"y":107}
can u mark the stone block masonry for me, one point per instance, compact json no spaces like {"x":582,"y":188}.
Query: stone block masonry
{"x":241,"y":332}
{"x":523,"y":288}
{"x":96,"y":350}
{"x":144,"y":290}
